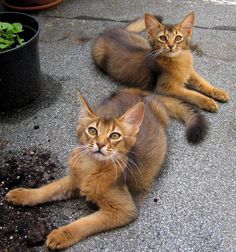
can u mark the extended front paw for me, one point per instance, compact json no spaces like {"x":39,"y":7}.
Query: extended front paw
{"x":220,"y":95}
{"x":20,"y":196}
{"x":60,"y":238}
{"x":209,"y":105}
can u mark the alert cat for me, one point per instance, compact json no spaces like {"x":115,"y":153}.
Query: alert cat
{"x":122,"y":145}
{"x":164,"y":62}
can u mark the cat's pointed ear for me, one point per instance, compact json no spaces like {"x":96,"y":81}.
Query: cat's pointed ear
{"x":152,"y":24}
{"x":86,"y":111}
{"x":133,"y":118}
{"x":188,"y":23}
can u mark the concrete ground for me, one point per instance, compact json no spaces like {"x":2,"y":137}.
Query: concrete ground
{"x":191,"y":206}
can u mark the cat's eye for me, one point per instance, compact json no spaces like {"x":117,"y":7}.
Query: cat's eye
{"x":92,"y":131}
{"x":115,"y":136}
{"x":178,"y":38}
{"x":163,"y":38}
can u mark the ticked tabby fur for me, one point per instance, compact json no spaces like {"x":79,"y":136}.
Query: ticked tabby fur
{"x":164,"y":62}
{"x":122,"y":145}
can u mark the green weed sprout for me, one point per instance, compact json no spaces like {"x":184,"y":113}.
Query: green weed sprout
{"x":9,"y":35}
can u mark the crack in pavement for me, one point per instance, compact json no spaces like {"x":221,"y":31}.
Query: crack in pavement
{"x":88,"y":18}
{"x":221,"y":28}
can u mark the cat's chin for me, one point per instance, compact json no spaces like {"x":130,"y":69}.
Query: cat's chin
{"x":100,"y":156}
{"x":172,"y":54}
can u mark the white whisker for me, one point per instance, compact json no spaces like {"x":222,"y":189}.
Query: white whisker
{"x":124,"y":160}
{"x":80,"y":155}
{"x":113,"y":161}
{"x":119,"y":164}
{"x":76,"y":147}
{"x":152,"y":55}
{"x":130,"y":161}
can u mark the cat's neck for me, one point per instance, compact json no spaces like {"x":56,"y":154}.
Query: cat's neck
{"x":90,"y":164}
{"x":90,"y":173}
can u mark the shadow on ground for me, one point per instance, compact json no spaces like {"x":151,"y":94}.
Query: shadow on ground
{"x":51,"y":90}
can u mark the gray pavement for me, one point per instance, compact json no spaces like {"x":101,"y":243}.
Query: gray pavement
{"x":196,"y":191}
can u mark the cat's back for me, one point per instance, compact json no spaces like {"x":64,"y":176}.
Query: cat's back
{"x":122,"y":39}
{"x":122,"y":55}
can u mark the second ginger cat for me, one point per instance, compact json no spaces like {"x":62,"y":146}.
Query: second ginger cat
{"x":164,"y":62}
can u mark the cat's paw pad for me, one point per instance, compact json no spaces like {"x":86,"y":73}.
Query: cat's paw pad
{"x":18,"y":196}
{"x":210,"y":105}
{"x":220,"y":95}
{"x":60,"y":238}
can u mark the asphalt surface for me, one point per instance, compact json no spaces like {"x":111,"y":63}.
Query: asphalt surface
{"x":192,"y":205}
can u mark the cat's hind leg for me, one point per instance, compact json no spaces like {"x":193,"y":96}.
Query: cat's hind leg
{"x":58,"y":190}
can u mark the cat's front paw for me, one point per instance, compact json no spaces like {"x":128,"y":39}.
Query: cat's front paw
{"x":220,"y":95}
{"x":20,"y":196}
{"x":60,"y":238}
{"x":209,"y":105}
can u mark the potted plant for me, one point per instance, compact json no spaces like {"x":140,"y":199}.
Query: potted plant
{"x":20,"y":73}
{"x":9,"y":35}
{"x":31,"y":5}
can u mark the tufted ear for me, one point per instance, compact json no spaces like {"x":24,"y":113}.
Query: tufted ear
{"x":133,"y":118}
{"x":188,"y":23}
{"x":152,"y":24}
{"x":87,"y":111}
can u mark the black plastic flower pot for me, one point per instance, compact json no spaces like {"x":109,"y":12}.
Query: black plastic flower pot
{"x":20,"y":73}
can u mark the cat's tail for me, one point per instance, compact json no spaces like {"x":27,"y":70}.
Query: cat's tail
{"x":195,"y":122}
{"x":138,"y":25}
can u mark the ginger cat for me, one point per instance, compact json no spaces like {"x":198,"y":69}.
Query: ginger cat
{"x":164,"y":62}
{"x":122,"y":145}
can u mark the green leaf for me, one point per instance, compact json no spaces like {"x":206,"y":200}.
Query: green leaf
{"x":5,"y":41}
{"x":9,"y":35}
{"x":17,"y":27}
{"x":20,"y":40}
{"x":5,"y":26}
{"x":3,"y":46}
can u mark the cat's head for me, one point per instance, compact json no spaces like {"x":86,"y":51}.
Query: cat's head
{"x":169,"y":40}
{"x":108,"y":138}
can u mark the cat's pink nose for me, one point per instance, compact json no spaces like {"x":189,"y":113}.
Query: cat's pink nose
{"x":171,"y":46}
{"x":100,"y":145}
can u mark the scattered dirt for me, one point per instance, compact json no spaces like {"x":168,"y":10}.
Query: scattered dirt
{"x":36,"y":127}
{"x":24,"y":228}
{"x":3,"y":144}
{"x":82,"y":40}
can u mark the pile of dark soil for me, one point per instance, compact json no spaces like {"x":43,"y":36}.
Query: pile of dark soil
{"x":24,"y":228}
